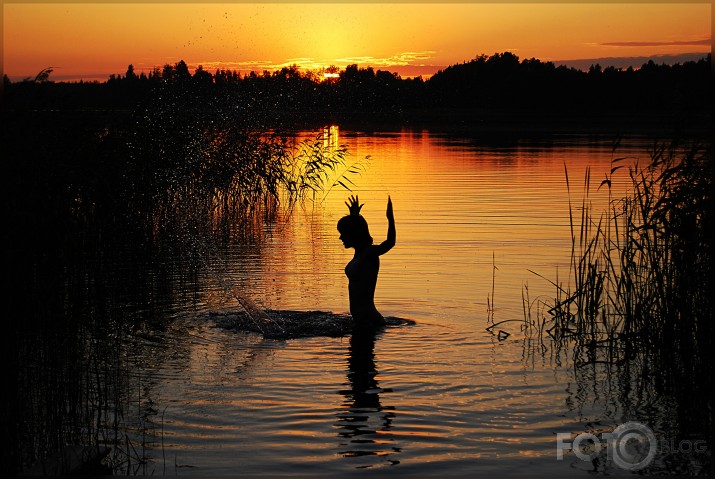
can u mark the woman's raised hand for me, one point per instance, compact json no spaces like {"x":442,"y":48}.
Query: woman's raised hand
{"x":390,"y":215}
{"x":354,"y":205}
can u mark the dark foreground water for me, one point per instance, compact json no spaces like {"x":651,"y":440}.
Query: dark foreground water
{"x":443,"y":396}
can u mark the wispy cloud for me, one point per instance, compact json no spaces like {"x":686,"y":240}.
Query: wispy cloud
{"x":666,"y":43}
{"x":241,"y":65}
{"x":399,"y":59}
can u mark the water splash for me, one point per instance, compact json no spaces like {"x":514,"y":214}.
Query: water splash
{"x":208,"y":255}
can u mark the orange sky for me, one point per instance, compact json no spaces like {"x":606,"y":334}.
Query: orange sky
{"x":93,"y":40}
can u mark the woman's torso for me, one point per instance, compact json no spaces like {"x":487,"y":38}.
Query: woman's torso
{"x":362,"y":273}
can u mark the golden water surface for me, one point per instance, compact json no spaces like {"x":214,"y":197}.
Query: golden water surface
{"x":444,"y":395}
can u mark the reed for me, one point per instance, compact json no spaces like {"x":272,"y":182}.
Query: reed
{"x":88,"y":194}
{"x":642,"y":269}
{"x":215,"y":165}
{"x":640,"y":278}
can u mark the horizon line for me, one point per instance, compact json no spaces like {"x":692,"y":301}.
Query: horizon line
{"x":579,"y":63}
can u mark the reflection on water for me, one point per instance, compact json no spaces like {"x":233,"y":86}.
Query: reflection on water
{"x":331,"y":137}
{"x":442,"y":395}
{"x":366,"y":423}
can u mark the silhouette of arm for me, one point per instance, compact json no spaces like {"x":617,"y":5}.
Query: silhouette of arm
{"x":387,"y":245}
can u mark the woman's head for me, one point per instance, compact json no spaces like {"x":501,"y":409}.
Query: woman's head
{"x":354,"y":232}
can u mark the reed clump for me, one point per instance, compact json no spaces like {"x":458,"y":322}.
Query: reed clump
{"x":213,"y":162}
{"x":642,"y":270}
{"x":639,"y":288}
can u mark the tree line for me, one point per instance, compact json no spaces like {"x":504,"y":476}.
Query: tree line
{"x":499,"y":81}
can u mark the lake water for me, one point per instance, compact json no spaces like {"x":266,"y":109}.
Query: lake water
{"x":442,"y":397}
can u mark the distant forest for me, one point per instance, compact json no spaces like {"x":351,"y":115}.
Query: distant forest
{"x":498,"y":83}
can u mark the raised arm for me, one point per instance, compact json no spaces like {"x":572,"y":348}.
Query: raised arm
{"x":387,"y":245}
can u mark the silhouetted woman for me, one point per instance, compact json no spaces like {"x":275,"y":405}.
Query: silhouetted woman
{"x":362,"y":270}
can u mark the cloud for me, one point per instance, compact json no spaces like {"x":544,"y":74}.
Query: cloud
{"x":399,"y":59}
{"x":258,"y":65}
{"x":667,"y":43}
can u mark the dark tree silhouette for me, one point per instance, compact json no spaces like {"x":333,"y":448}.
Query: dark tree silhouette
{"x":130,"y":75}
{"x":499,"y":87}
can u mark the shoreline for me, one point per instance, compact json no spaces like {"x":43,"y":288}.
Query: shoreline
{"x":476,"y":122}
{"x":507,"y":124}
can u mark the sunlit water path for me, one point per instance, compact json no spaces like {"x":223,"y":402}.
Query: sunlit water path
{"x":443,"y":396}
